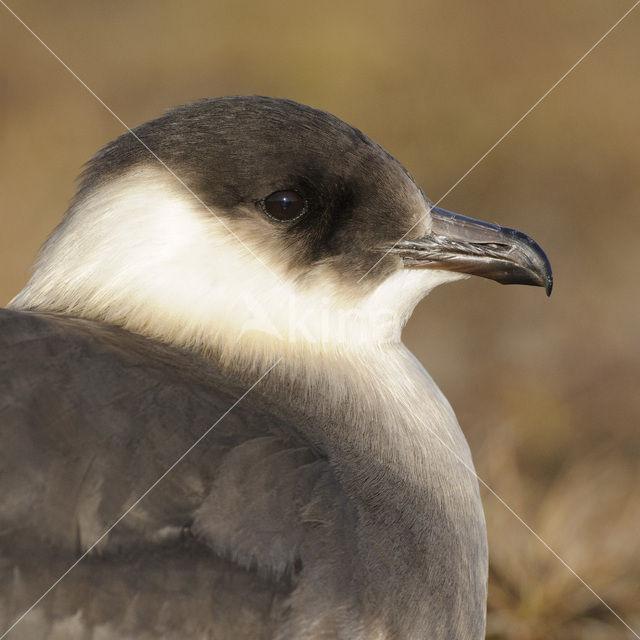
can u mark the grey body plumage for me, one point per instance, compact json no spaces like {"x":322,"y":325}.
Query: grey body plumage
{"x":337,"y":500}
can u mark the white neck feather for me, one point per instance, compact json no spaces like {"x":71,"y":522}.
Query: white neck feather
{"x":142,"y":253}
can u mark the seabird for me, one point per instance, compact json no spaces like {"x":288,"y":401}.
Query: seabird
{"x":215,"y":267}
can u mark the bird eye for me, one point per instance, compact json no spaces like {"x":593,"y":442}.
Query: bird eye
{"x":284,"y":205}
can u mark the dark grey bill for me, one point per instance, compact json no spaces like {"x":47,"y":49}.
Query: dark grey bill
{"x":458,"y":243}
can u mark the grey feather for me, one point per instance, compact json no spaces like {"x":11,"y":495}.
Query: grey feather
{"x":251,"y":536}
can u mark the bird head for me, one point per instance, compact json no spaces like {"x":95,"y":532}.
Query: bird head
{"x":252,"y":218}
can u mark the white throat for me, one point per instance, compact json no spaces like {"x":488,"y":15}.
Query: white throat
{"x":142,"y":253}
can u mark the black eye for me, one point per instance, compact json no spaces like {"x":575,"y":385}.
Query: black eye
{"x":284,"y":205}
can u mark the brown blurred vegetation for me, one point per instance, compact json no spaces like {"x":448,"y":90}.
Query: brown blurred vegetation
{"x":546,"y":390}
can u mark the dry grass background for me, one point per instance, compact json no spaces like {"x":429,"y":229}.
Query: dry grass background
{"x":546,"y":390}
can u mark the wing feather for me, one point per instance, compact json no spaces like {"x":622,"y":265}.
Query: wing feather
{"x":90,"y":417}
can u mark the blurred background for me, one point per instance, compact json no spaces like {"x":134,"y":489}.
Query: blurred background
{"x":545,"y":389}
